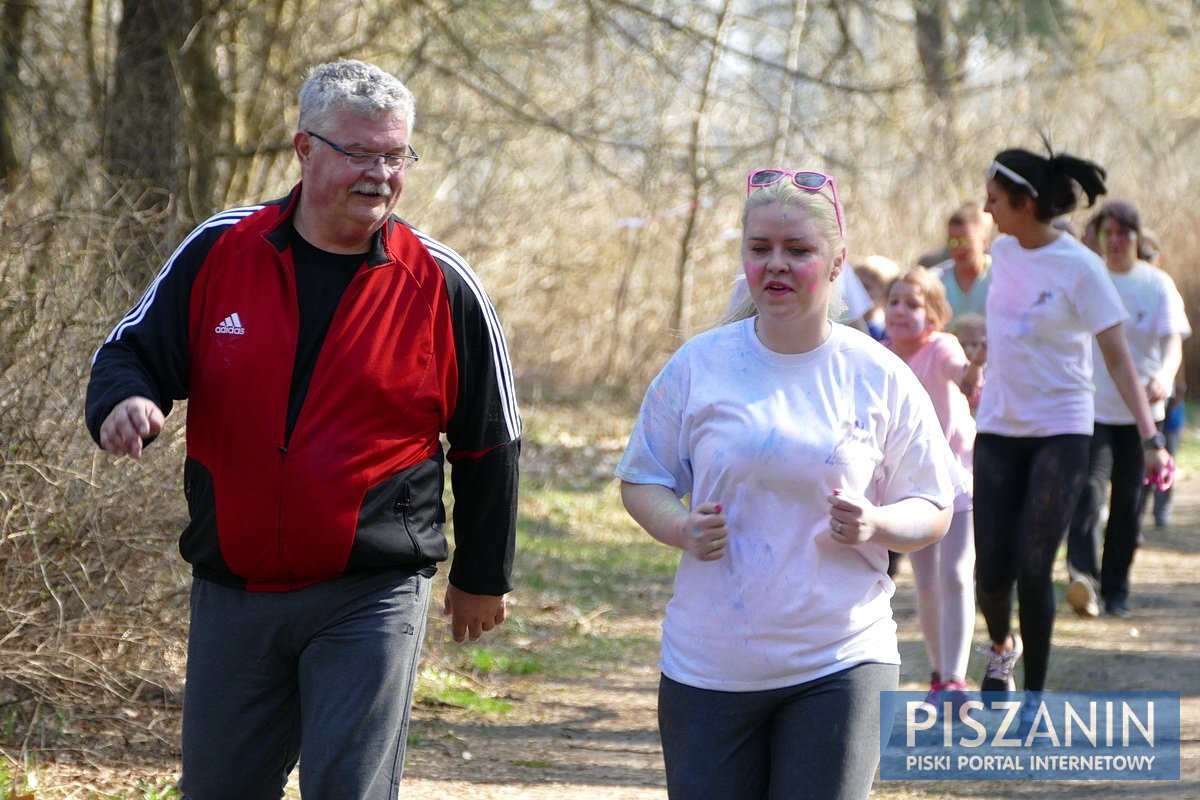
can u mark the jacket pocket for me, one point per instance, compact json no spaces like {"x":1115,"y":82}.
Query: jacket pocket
{"x":402,"y":520}
{"x":199,"y":544}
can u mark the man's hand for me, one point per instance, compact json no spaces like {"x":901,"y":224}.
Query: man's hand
{"x":134,"y":419}
{"x":472,"y":614}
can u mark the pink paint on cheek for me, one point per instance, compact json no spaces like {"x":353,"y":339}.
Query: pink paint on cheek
{"x":810,"y":278}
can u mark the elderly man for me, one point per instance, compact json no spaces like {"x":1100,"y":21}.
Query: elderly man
{"x":323,"y":346}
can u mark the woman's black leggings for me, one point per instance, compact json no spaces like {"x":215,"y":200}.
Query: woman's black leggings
{"x":1025,"y":493}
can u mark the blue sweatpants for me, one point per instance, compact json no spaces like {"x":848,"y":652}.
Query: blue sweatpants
{"x":323,"y":675}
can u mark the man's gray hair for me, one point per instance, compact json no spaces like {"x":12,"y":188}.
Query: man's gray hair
{"x":352,"y":86}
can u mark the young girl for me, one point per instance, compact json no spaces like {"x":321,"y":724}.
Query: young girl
{"x":944,"y":571}
{"x":1050,"y":297}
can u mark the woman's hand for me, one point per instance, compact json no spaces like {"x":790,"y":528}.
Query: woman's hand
{"x":903,"y":526}
{"x":700,"y":531}
{"x":1155,"y":391}
{"x":851,"y":518}
{"x":704,"y":534}
{"x":1156,"y":462}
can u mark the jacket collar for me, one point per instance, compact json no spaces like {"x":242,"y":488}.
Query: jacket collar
{"x":281,"y":232}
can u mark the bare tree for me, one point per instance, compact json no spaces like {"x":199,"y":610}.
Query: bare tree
{"x":783,"y":119}
{"x":205,"y":108}
{"x":13,"y":14}
{"x":700,"y":172}
{"x":142,"y":125}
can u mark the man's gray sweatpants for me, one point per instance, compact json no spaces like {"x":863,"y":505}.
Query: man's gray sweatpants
{"x":323,"y":674}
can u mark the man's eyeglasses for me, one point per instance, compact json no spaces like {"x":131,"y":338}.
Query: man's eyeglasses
{"x":805,"y":179}
{"x":997,"y":167}
{"x":955,"y":242}
{"x":362,"y":160}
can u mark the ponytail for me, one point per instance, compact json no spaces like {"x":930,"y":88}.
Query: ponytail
{"x":1088,"y":174}
{"x":1054,"y":178}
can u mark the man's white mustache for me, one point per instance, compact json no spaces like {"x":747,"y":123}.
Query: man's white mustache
{"x":370,"y":187}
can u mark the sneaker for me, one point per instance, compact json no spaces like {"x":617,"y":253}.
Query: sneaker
{"x":1117,"y":608}
{"x":954,"y":691}
{"x":942,"y":692}
{"x":1081,"y":596}
{"x":954,"y":686}
{"x":935,"y":689}
{"x":1028,"y":716}
{"x":998,"y":677}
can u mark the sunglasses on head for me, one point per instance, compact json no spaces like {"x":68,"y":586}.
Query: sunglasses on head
{"x":805,"y":179}
{"x":997,"y":167}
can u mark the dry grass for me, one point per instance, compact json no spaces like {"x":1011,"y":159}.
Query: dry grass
{"x":91,"y":620}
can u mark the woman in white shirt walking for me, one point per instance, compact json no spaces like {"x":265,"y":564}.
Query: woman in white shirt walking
{"x":1156,"y":328}
{"x":784,"y":455}
{"x":1049,"y":297}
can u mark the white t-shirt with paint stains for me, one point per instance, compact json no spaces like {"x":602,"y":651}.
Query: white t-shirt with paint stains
{"x":770,"y":436}
{"x":1155,"y":310}
{"x":1044,"y":307}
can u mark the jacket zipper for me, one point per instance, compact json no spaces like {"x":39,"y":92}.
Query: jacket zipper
{"x":402,"y":507}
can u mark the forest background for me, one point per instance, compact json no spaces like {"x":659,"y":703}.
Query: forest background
{"x":587,"y":157}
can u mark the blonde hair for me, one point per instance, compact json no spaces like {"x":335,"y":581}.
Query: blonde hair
{"x":819,"y":206}
{"x":881,"y":268}
{"x":937,"y":308}
{"x":787,"y":193}
{"x":968,"y":320}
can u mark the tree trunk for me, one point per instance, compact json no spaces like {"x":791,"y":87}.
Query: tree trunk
{"x":206,"y":112}
{"x":143,"y":115}
{"x":13,"y":13}
{"x":783,"y":120}
{"x":940,"y":50}
{"x":681,"y":314}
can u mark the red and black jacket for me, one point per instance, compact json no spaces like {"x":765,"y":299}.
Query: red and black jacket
{"x":414,"y":350}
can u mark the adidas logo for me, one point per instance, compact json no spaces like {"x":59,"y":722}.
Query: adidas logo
{"x":231,"y":324}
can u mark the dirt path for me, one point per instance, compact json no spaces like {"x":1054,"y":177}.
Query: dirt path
{"x":597,"y":739}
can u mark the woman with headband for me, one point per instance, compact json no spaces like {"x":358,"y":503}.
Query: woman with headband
{"x":784,"y":455}
{"x":1050,"y":296}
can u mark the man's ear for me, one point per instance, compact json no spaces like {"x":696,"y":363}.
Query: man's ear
{"x":303,"y":144}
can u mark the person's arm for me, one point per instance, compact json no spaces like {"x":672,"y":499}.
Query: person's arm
{"x":956,"y":367}
{"x":700,"y":531}
{"x":1162,"y":383}
{"x":1129,"y":384}
{"x":904,"y":526}
{"x":484,"y":433}
{"x":970,"y":381}
{"x":142,"y":367}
